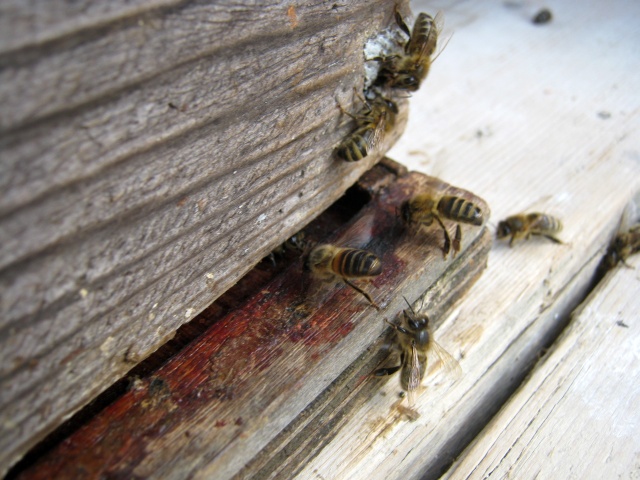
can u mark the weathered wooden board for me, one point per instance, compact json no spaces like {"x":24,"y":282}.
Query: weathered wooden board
{"x":522,"y":115}
{"x":150,"y":156}
{"x":212,"y":408}
{"x":577,"y":416}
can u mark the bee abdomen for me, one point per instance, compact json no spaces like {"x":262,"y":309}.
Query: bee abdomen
{"x":352,"y":262}
{"x":422,"y":34}
{"x":356,"y":146}
{"x":460,"y":210}
{"x":544,"y":223}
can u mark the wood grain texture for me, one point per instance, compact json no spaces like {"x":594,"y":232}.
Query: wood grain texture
{"x":151,"y":155}
{"x":577,"y":416}
{"x":212,"y":408}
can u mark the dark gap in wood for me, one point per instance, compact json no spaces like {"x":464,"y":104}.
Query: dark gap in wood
{"x":337,"y":214}
{"x":20,"y":265}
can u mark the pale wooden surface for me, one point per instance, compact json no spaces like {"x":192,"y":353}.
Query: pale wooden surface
{"x":530,"y":118}
{"x":151,"y":154}
{"x":577,"y":416}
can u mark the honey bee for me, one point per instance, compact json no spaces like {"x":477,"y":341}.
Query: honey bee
{"x":526,"y":224}
{"x":328,"y":262}
{"x":622,"y":247}
{"x":416,"y":344}
{"x":407,"y":70}
{"x":295,"y":243}
{"x":425,"y":207}
{"x":373,"y":121}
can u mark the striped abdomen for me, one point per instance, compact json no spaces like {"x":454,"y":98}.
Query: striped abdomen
{"x":424,"y":36}
{"x":460,"y":210}
{"x":542,"y":223}
{"x":357,"y":145}
{"x":351,"y":262}
{"x":363,"y":139}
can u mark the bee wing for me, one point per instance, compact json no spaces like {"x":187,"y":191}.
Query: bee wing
{"x":438,"y":22}
{"x":376,"y":135}
{"x":360,"y":233}
{"x":450,"y":364}
{"x":415,"y":376}
{"x":426,"y":49}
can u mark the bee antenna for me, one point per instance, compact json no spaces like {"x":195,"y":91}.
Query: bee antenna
{"x":410,"y":307}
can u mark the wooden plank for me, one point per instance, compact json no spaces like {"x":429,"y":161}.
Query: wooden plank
{"x":134,"y":198}
{"x":577,"y":415}
{"x":529,"y":126}
{"x":213,"y":407}
{"x":128,"y":46}
{"x":29,"y":25}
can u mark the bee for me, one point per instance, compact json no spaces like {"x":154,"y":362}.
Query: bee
{"x":416,"y":344}
{"x":622,"y":247}
{"x":328,"y":262}
{"x":407,"y":70}
{"x":295,"y":243}
{"x":524,"y":225}
{"x":426,"y":207}
{"x":373,"y":121}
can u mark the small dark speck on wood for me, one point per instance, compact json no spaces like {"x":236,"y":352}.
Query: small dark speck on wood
{"x":542,"y":17}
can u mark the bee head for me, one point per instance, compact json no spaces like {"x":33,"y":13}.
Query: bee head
{"x":297,"y":241}
{"x":477,"y":216}
{"x":416,"y":322}
{"x":504,"y":229}
{"x":407,"y":81}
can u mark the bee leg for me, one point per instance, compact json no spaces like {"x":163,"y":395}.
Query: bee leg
{"x":623,"y":261}
{"x":345,"y":112}
{"x":361,"y":98}
{"x":457,"y":240}
{"x":552,"y":238}
{"x":366,"y":295}
{"x":382,"y":372}
{"x":398,"y":328}
{"x":401,"y":23}
{"x":447,"y":239}
{"x":385,"y":58}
